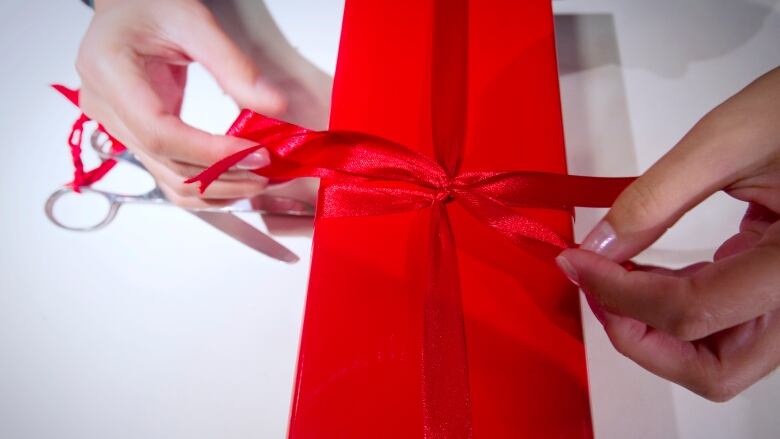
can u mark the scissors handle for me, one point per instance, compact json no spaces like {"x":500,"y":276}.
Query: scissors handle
{"x":113,"y":208}
{"x":264,"y":203}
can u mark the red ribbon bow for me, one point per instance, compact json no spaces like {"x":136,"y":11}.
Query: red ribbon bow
{"x":81,"y":177}
{"x":374,"y":176}
{"x":368,"y":175}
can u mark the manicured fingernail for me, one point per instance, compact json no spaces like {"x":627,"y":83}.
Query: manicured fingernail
{"x":602,"y":239}
{"x":269,"y":96}
{"x":257,"y":159}
{"x":567,"y":269}
{"x":598,"y":311}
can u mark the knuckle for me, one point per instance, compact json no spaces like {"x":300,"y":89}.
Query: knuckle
{"x":626,"y":337}
{"x":691,"y":323}
{"x":242,"y":65}
{"x":694,"y":317}
{"x":181,"y":170}
{"x":184,"y":190}
{"x":252,"y":190}
{"x":640,"y":203}
{"x":717,"y":388}
{"x":154,"y":144}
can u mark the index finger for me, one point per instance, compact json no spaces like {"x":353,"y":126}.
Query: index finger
{"x":716,"y":296}
{"x":160,"y":132}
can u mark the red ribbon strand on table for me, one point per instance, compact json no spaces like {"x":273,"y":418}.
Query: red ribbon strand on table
{"x":82,"y":178}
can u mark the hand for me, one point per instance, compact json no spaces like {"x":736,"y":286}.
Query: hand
{"x":713,"y":327}
{"x":133,"y":65}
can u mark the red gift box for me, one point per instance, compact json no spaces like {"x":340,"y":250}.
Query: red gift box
{"x":434,"y":307}
{"x":360,"y":371}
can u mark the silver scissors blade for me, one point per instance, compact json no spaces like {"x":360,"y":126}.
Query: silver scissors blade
{"x":243,"y":232}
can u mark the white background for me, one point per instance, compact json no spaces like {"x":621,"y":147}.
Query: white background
{"x":160,"y":327}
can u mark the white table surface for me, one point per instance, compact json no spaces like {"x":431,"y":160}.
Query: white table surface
{"x":159,"y":327}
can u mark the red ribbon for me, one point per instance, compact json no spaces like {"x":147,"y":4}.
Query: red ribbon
{"x":82,"y":178}
{"x":374,"y":176}
{"x":368,"y":175}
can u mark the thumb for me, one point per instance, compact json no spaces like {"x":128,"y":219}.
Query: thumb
{"x":206,"y":42}
{"x":700,"y":164}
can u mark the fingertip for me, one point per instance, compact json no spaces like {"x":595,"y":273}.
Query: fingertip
{"x":601,"y":240}
{"x":595,"y":274}
{"x":583,"y":260}
{"x":605,"y":241}
{"x":567,"y":268}
{"x":256,"y":160}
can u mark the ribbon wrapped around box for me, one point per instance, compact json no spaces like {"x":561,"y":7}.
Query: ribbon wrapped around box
{"x":434,"y":307}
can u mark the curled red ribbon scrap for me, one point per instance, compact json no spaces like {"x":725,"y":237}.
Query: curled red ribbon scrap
{"x":81,"y":177}
{"x":368,"y":175}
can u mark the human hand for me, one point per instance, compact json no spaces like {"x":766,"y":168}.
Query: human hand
{"x":133,"y":65}
{"x":713,"y":327}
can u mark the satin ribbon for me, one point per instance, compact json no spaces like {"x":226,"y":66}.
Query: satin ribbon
{"x":368,"y":175}
{"x":82,"y":178}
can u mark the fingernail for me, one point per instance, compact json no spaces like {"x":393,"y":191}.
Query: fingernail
{"x":269,"y":96}
{"x":598,"y":311}
{"x":567,"y":269}
{"x":602,"y":240}
{"x":257,"y":159}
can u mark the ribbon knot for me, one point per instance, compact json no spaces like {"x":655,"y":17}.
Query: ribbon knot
{"x":369,"y":175}
{"x":445,"y":194}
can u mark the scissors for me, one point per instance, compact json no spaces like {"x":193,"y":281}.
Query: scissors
{"x":221,"y":217}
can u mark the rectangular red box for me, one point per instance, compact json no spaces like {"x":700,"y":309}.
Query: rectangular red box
{"x":360,"y":372}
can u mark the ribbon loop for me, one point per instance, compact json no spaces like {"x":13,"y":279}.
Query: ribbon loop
{"x":375,"y":176}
